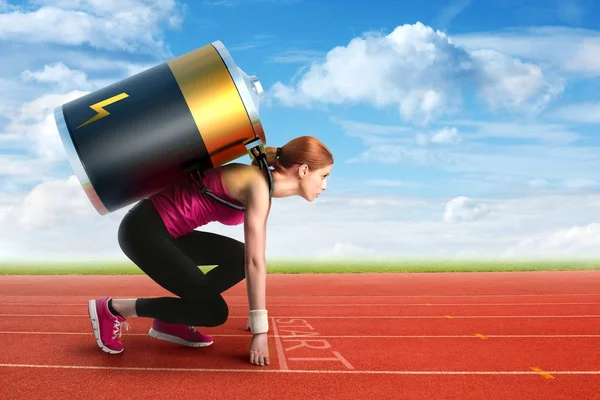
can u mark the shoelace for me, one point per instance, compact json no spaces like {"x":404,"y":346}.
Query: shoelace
{"x":195,"y":332}
{"x":118,"y":328}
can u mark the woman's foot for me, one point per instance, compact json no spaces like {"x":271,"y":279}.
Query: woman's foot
{"x":180,"y":334}
{"x":107,"y":327}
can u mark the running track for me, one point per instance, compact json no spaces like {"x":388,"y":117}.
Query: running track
{"x":521,"y":335}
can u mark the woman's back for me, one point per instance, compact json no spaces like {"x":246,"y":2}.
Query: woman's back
{"x":183,"y":207}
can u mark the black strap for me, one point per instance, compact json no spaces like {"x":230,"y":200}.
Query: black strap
{"x":207,"y":191}
{"x":261,"y":158}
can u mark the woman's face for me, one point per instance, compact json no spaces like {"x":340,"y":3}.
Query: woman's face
{"x":312,"y":183}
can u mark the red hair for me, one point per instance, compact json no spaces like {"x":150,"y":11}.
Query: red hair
{"x":301,"y":150}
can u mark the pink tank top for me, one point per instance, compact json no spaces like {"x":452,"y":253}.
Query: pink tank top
{"x":183,"y":207}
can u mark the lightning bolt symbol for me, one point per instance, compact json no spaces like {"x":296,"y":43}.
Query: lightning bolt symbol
{"x":99,"y":108}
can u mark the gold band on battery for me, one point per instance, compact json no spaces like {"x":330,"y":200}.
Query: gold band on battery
{"x":214,"y":102}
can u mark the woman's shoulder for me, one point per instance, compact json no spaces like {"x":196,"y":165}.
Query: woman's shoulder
{"x":238,"y":172}
{"x":238,"y":177}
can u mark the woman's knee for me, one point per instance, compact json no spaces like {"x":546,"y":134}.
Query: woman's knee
{"x":209,"y":312}
{"x":221,"y":312}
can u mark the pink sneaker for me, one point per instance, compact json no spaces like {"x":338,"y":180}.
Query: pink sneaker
{"x":180,"y":334}
{"x":107,"y":327}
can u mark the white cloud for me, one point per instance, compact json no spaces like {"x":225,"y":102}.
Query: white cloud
{"x":50,"y":204}
{"x":30,"y":69}
{"x":7,"y":203}
{"x":48,"y":63}
{"x":572,"y":50}
{"x":374,"y":134}
{"x":252,"y":42}
{"x":477,"y":131}
{"x":61,"y":76}
{"x":45,"y":214}
{"x":296,"y":56}
{"x":509,"y":83}
{"x":396,"y":154}
{"x":444,"y":136}
{"x":576,"y":236}
{"x":588,"y":112}
{"x":574,"y":242}
{"x":464,"y":209}
{"x":526,"y":152}
{"x":129,"y":25}
{"x":13,"y":93}
{"x":33,"y":127}
{"x":420,"y":72}
{"x":56,"y":221}
{"x":20,"y":166}
{"x":587,"y":57}
{"x":556,"y":163}
{"x":19,"y":173}
{"x":526,"y":130}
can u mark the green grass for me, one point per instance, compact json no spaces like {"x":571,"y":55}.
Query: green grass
{"x":310,"y":267}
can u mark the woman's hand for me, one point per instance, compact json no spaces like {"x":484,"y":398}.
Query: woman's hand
{"x":259,"y":350}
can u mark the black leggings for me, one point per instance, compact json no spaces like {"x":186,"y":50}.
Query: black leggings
{"x":173,"y":264}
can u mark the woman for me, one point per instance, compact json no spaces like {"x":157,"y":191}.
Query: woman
{"x":158,"y":235}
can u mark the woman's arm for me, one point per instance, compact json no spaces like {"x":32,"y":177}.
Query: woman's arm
{"x":255,"y":227}
{"x":255,"y":237}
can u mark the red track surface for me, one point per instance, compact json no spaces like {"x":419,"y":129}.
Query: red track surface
{"x":526,"y":335}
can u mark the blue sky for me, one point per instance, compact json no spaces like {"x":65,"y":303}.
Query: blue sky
{"x":460,"y":128}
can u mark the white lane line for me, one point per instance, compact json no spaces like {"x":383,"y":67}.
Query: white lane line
{"x":295,"y":371}
{"x":341,"y":304}
{"x":338,"y":357}
{"x":358,"y":316}
{"x":337,"y":296}
{"x":279,"y":345}
{"x":276,"y":335}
